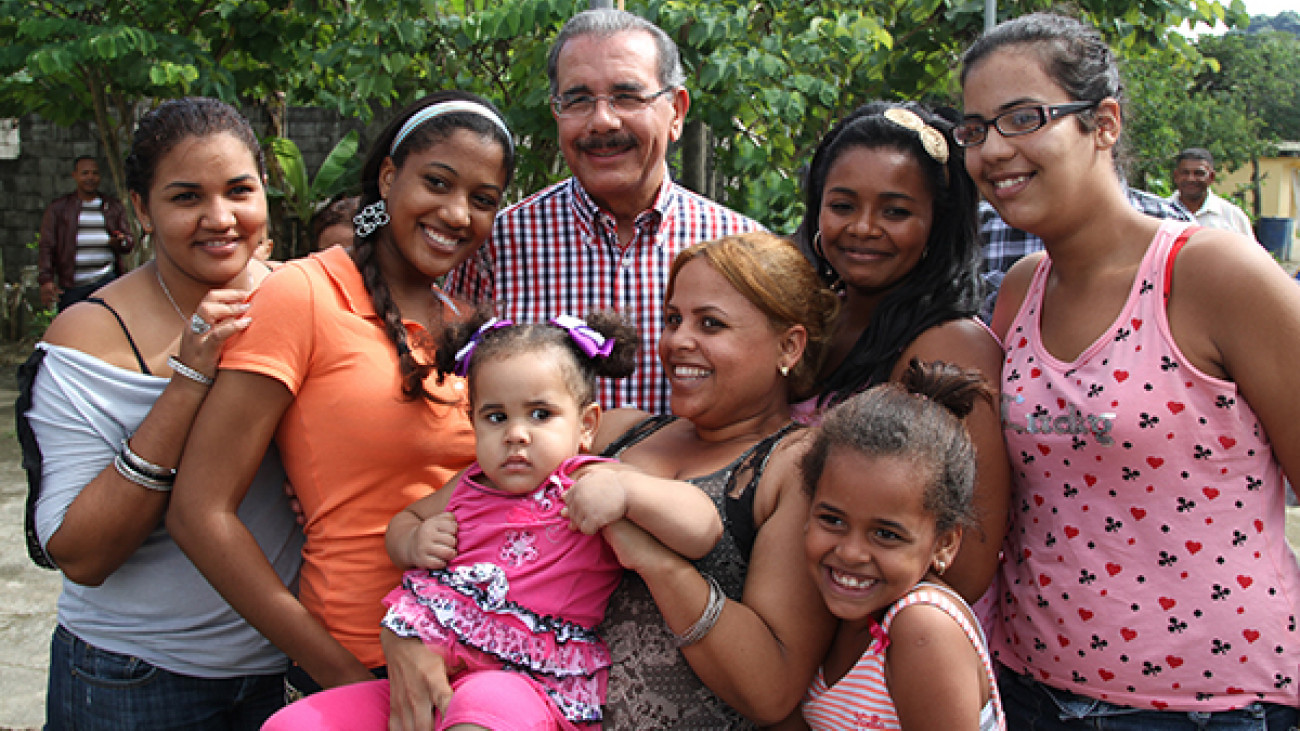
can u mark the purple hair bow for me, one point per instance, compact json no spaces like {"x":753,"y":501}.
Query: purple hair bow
{"x":463,"y":355}
{"x":589,"y":341}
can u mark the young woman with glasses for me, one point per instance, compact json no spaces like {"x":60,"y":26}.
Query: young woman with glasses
{"x":1148,"y":409}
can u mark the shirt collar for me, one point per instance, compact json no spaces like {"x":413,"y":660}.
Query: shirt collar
{"x":591,"y":219}
{"x":343,"y":272}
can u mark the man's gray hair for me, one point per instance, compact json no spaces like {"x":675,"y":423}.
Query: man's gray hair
{"x":1195,"y":153}
{"x":605,"y":22}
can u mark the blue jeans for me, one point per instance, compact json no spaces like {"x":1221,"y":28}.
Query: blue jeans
{"x":93,"y":689}
{"x":1033,"y":706}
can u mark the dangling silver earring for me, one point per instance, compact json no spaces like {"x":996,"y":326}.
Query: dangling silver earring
{"x":370,"y":218}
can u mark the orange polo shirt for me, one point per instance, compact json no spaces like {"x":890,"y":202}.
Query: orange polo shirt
{"x":355,"y":452}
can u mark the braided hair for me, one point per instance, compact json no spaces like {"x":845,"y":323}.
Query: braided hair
{"x":431,"y":132}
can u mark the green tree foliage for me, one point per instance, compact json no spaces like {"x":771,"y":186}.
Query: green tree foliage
{"x":766,"y":79}
{"x":1236,"y":96}
{"x":98,"y":60}
{"x":1287,"y":21}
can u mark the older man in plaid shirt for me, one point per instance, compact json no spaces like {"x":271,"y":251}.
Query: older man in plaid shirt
{"x":1004,"y":245}
{"x":604,"y":238}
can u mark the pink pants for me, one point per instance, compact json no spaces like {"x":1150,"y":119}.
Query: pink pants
{"x":495,"y":699}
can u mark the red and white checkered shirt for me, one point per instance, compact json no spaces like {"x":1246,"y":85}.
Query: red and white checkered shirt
{"x":556,"y":253}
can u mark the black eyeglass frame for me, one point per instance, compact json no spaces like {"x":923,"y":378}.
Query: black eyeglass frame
{"x":561,"y":105}
{"x":1046,"y":113}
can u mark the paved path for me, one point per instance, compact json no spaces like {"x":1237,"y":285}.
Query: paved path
{"x":28,"y":594}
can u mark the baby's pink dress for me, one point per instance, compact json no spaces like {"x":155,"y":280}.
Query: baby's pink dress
{"x":523,"y":593}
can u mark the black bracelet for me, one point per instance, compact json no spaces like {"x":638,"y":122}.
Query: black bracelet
{"x":130,"y":474}
{"x":144,"y":466}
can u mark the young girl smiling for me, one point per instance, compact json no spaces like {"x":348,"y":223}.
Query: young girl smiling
{"x":891,"y":476}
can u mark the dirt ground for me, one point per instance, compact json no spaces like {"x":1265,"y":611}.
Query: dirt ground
{"x":27,"y":594}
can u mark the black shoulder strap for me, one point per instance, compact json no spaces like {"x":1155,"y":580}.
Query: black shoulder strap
{"x":139,"y":359}
{"x":637,"y":433}
{"x":31,"y":456}
{"x":739,"y":503}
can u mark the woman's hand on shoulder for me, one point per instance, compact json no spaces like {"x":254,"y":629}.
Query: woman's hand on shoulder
{"x":224,"y":312}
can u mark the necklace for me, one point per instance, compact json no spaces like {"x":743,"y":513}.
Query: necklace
{"x":168,"y":292}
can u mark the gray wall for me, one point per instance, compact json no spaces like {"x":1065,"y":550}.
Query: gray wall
{"x":43,"y":171}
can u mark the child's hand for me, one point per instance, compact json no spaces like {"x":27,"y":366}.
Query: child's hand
{"x":595,"y":500}
{"x":635,"y":549}
{"x":433,"y":544}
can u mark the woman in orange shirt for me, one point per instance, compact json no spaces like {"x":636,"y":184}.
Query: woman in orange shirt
{"x":337,"y":369}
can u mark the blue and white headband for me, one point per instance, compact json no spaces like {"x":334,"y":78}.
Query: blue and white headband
{"x":441,"y":108}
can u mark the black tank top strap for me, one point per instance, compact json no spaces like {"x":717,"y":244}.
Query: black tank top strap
{"x":637,"y":434}
{"x":739,"y":504}
{"x":131,"y":341}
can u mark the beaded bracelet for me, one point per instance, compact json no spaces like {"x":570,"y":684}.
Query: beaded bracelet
{"x":130,"y":474}
{"x":708,"y":619}
{"x":188,"y":372}
{"x":144,"y":466}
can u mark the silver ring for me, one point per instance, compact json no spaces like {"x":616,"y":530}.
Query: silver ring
{"x":198,"y":325}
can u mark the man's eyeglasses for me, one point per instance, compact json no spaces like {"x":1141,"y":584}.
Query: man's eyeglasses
{"x":972,"y":130}
{"x":623,"y":103}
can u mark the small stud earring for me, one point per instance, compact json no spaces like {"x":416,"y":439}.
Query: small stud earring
{"x":939,"y":567}
{"x":785,"y":370}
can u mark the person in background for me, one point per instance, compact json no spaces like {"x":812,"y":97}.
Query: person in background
{"x":604,"y":238}
{"x":337,"y":368}
{"x":84,"y":236}
{"x":332,"y":225}
{"x":1193,"y":174}
{"x":1148,"y":405}
{"x":1004,"y":245}
{"x":143,"y":642}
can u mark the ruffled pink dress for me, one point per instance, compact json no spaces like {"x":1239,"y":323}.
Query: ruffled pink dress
{"x":523,"y":593}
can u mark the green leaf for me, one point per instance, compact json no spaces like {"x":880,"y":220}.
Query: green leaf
{"x":340,"y":170}
{"x":297,"y":190}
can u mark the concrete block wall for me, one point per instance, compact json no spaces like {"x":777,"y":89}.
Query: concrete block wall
{"x":42,"y":171}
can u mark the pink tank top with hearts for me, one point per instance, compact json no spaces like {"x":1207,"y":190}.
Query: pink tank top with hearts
{"x":1147,"y":563}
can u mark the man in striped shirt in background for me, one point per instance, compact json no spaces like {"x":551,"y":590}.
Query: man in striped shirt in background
{"x":83,"y":236}
{"x":604,"y":238}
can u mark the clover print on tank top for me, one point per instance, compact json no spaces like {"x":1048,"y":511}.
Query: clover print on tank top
{"x":1145,"y":563}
